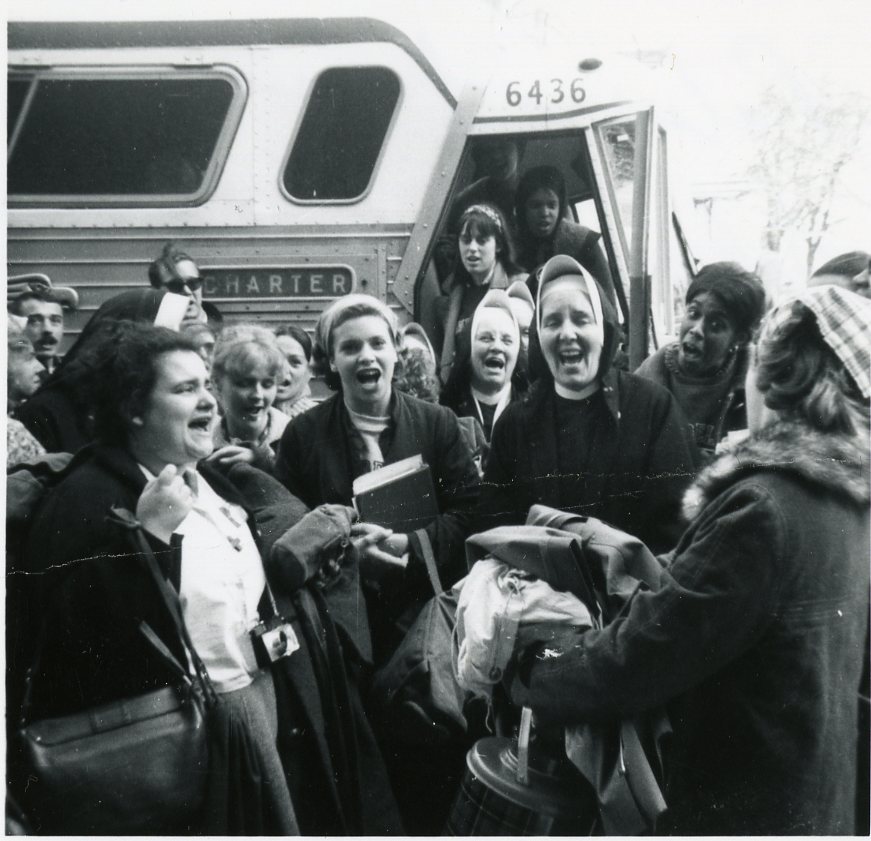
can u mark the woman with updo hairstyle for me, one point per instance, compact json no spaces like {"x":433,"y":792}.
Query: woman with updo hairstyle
{"x":544,"y":229}
{"x":706,"y":367}
{"x":368,"y":424}
{"x":486,"y":262}
{"x":755,"y":637}
{"x":245,"y":373}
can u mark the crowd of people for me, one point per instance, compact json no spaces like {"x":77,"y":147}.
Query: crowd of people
{"x":738,"y":454}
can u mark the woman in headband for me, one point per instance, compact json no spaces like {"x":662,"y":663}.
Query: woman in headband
{"x":486,"y":262}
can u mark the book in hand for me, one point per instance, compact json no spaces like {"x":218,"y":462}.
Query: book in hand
{"x":399,"y":496}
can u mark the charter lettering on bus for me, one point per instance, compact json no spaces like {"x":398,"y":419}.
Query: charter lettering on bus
{"x":277,"y":282}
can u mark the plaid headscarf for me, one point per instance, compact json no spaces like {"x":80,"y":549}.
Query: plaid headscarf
{"x":844,"y":320}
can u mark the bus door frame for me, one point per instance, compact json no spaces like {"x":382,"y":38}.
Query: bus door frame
{"x":631,"y":257}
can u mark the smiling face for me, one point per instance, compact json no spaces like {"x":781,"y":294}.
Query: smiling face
{"x":706,"y":336}
{"x":478,"y":253}
{"x":246,"y":392}
{"x":176,"y":424}
{"x":494,"y":350}
{"x":571,"y":341}
{"x":298,"y":371}
{"x":364,"y":356}
{"x":542,"y":212}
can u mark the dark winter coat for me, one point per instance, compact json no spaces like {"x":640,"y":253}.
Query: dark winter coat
{"x":640,"y":462}
{"x":570,"y":238}
{"x":96,"y":589}
{"x":314,"y":462}
{"x":755,"y":640}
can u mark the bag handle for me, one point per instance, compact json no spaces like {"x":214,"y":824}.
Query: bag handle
{"x":125,"y":519}
{"x":432,"y":569}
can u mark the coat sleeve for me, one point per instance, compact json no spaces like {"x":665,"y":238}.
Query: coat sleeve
{"x":716,"y":600}
{"x":289,"y":467}
{"x":457,"y":487}
{"x":671,"y":465}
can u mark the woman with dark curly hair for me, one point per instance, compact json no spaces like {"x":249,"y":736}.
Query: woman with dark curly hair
{"x":755,"y":637}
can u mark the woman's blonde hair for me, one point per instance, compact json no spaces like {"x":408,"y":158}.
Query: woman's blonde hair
{"x":800,"y":376}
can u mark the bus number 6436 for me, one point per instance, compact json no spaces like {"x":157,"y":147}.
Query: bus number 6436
{"x":514,"y":97}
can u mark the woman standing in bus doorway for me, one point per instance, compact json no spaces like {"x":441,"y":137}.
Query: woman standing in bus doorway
{"x":544,"y":229}
{"x":486,"y":262}
{"x":756,"y":635}
{"x":366,"y":425}
{"x":587,"y":438}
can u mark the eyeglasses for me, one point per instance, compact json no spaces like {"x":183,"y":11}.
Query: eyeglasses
{"x":182,"y":287}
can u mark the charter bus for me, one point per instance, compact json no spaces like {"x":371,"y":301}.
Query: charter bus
{"x":297,"y":160}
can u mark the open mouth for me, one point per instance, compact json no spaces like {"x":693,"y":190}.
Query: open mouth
{"x":203,"y":424}
{"x":570,"y":357}
{"x":368,"y":377}
{"x":494,"y":363}
{"x":691,"y":351}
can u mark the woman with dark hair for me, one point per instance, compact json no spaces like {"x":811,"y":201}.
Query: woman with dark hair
{"x":486,"y":262}
{"x":587,"y":438}
{"x":293,"y":396}
{"x":851,"y":271}
{"x":153,"y":422}
{"x":706,"y":367}
{"x":369,"y":424}
{"x":58,"y":414}
{"x":755,"y":638}
{"x":545,"y":229}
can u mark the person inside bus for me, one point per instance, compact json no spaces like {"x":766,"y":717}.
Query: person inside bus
{"x":705,"y":368}
{"x":365,"y":425}
{"x":178,"y":273}
{"x":851,"y":271}
{"x":58,"y":414}
{"x":482,"y":383}
{"x":23,"y":378}
{"x":545,"y":229}
{"x":42,"y":307}
{"x":246,"y":370}
{"x":756,"y":635}
{"x":587,"y":438}
{"x":486,"y":262}
{"x":293,"y":396}
{"x":497,"y":161}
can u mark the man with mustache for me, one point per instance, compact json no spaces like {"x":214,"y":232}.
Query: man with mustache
{"x":40,"y":307}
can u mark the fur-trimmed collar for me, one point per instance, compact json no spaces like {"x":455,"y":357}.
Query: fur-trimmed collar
{"x":838,"y":463}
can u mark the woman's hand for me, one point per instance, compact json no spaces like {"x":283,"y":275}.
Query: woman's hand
{"x":232,"y":454}
{"x":379,"y":549}
{"x":164,"y":502}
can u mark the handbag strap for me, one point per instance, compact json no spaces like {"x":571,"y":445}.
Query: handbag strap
{"x":429,"y":559}
{"x":125,"y":519}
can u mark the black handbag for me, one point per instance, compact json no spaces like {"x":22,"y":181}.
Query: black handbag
{"x":136,"y":766}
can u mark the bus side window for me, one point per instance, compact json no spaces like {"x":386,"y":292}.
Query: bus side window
{"x":342,"y":132}
{"x":104,"y":140}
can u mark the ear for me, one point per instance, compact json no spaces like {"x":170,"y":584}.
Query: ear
{"x":137,"y":421}
{"x":333,"y":367}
